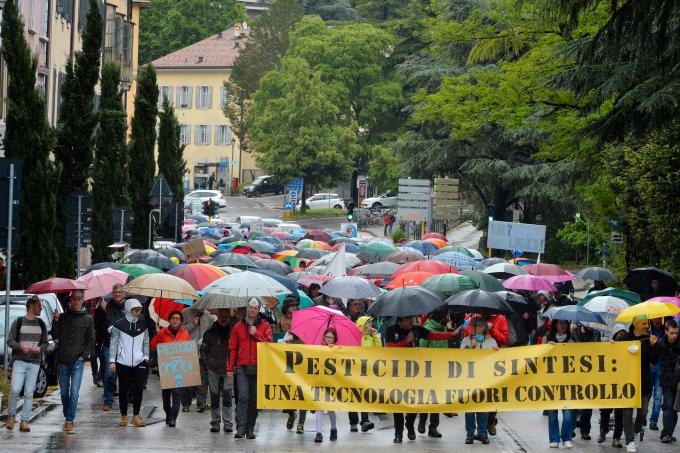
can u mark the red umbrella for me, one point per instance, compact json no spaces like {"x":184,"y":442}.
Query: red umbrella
{"x":55,"y":285}
{"x":317,"y":235}
{"x":197,"y":275}
{"x":160,"y":309}
{"x":243,"y":249}
{"x":435,"y":236}
{"x":310,"y":324}
{"x":434,"y":267}
{"x":409,"y":279}
{"x":552,"y":272}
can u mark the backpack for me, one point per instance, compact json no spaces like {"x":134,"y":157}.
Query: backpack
{"x":20,"y":321}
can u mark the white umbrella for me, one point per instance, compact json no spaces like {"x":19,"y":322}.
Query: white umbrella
{"x":504,"y":270}
{"x":351,"y":288}
{"x":475,"y":254}
{"x":233,"y":291}
{"x":351,"y":260}
{"x":606,"y":304}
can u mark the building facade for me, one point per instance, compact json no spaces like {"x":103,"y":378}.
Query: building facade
{"x":192,"y":79}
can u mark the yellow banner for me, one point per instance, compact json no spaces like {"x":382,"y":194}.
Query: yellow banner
{"x":563,"y":376}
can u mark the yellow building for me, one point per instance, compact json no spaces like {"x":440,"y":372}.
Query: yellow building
{"x":192,"y":78}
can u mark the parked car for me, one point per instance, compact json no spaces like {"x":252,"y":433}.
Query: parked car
{"x":271,"y":223}
{"x":244,"y":221}
{"x":204,"y":195}
{"x":323,"y":200}
{"x":48,"y":368}
{"x":263,"y":185}
{"x":387,"y":199}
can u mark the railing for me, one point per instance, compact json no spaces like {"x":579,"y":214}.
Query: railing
{"x":125,"y":66}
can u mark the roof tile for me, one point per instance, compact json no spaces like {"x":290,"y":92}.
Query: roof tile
{"x":217,"y":51}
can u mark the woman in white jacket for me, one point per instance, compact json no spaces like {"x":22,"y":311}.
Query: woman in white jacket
{"x":129,"y":357}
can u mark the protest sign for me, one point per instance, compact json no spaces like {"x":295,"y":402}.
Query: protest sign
{"x":178,"y":364}
{"x":563,"y":376}
{"x":194,"y":250}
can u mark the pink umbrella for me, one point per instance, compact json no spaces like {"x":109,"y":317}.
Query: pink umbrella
{"x":668,"y":300}
{"x":310,"y":324}
{"x":435,"y":236}
{"x":308,"y":279}
{"x":529,"y":282}
{"x":100,"y":282}
{"x":551,"y":272}
{"x":55,"y":285}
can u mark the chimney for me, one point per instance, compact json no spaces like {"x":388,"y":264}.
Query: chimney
{"x":200,"y":60}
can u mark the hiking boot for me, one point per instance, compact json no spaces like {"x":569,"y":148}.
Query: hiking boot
{"x":215,"y":428}
{"x":421,"y":425}
{"x":291,"y":420}
{"x":469,"y":440}
{"x":334,"y":434}
{"x":484,"y":439}
{"x":411,"y":434}
{"x":228,"y":428}
{"x":318,"y":438}
{"x":616,"y":443}
{"x":137,"y":421}
{"x":24,"y":428}
{"x":68,"y":427}
{"x":491,"y":429}
{"x":601,"y":437}
{"x":367,"y":426}
{"x":9,"y":424}
{"x":300,"y":428}
{"x":432,"y":432}
{"x":353,"y":428}
{"x":123,"y":421}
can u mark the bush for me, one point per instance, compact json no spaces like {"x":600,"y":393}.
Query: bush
{"x":4,"y":389}
{"x":398,"y":235}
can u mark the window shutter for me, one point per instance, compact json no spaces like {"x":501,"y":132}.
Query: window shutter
{"x":169,"y":94}
{"x":178,"y":102}
{"x":210,"y":93}
{"x":229,"y":137}
{"x":207,"y":135}
{"x":120,"y":35}
{"x":190,"y":97}
{"x":60,"y":6}
{"x":188,"y":133}
{"x":218,"y":141}
{"x":197,"y":135}
{"x":127,"y":42}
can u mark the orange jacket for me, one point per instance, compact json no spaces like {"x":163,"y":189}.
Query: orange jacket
{"x":165,"y":336}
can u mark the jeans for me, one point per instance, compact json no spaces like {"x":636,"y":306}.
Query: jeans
{"x":220,"y":385}
{"x":108,"y":378}
{"x":131,"y":380}
{"x":70,"y":377}
{"x":399,"y":423}
{"x":555,"y":433}
{"x":354,"y":418}
{"x":605,"y":415}
{"x":631,"y":427}
{"x":24,"y":376}
{"x":657,"y":393}
{"x":670,"y":417}
{"x":434,"y":419}
{"x":481,"y":425}
{"x":246,"y":408}
{"x":584,"y":417}
{"x":170,"y":403}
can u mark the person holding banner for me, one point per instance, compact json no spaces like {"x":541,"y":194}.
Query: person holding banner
{"x":560,"y":332}
{"x":581,"y":333}
{"x":478,"y":339}
{"x":173,"y":333}
{"x":370,"y":338}
{"x":330,"y":337}
{"x":618,"y":333}
{"x":242,"y":365}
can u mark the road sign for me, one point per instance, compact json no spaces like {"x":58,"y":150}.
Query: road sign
{"x":516,"y":236}
{"x":288,"y":206}
{"x":413,"y":200}
{"x":617,"y":238}
{"x":445,"y":206}
{"x":223,"y":163}
{"x":517,"y":253}
{"x":5,"y":202}
{"x":295,"y":184}
{"x":293,"y":194}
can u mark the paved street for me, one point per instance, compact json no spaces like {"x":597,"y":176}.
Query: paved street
{"x":98,"y":431}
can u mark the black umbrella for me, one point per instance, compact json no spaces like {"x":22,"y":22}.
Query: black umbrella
{"x":384,"y":269}
{"x":478,"y":301}
{"x":640,"y":281}
{"x":274,"y":266}
{"x":230,"y":239}
{"x":312,"y":254}
{"x":98,"y":266}
{"x":406,"y":301}
{"x":516,"y":301}
{"x":171,"y":252}
{"x":595,"y":273}
{"x":161,"y":262}
{"x":285,"y":281}
{"x":574,"y":313}
{"x":142,"y":255}
{"x":233,"y":259}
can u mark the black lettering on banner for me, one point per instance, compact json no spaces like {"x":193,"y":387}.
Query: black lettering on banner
{"x":586,"y":364}
{"x":428,"y":368}
{"x":349,"y":363}
{"x":364,"y":367}
{"x":601,"y":364}
{"x":376,"y":368}
{"x":395,"y":368}
{"x":329,"y":367}
{"x":313,"y":365}
{"x":283,"y":392}
{"x":412,"y":368}
{"x":498,"y":368}
{"x":568,"y":364}
{"x":550,"y":362}
{"x":292,"y":358}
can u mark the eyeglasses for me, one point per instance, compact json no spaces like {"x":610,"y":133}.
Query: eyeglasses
{"x":329,"y":337}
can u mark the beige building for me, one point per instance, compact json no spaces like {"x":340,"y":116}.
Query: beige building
{"x":192,"y":78}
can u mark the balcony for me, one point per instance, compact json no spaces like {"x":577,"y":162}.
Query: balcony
{"x":125,"y":64}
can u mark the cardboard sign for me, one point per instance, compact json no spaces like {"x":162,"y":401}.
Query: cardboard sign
{"x":194,"y":250}
{"x":178,"y":364}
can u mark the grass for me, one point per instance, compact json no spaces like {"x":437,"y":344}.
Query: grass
{"x":317,"y":213}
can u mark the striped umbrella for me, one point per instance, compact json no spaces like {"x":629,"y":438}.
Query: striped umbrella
{"x":457,"y":260}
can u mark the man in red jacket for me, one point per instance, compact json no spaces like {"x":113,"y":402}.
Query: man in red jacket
{"x":243,"y":364}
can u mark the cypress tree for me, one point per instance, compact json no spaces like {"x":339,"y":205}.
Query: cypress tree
{"x":110,"y":182}
{"x":29,"y":137}
{"x":171,"y":163}
{"x":142,"y":142}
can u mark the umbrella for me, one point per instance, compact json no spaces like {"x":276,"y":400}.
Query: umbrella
{"x":449,"y":284}
{"x":310,"y":324}
{"x":574,"y":313}
{"x":256,"y":235}
{"x":311,"y":254}
{"x":161,"y":262}
{"x":505,"y":270}
{"x":406,"y":301}
{"x":437,"y":242}
{"x":458,"y":260}
{"x":606,"y":304}
{"x":160,"y":309}
{"x":630,"y":297}
{"x":233,"y":270}
{"x":667,"y":300}
{"x":172,"y":252}
{"x":274,"y":266}
{"x":551,"y":272}
{"x":55,"y":285}
{"x":516,"y":301}
{"x":375,"y":251}
{"x":281,"y":235}
{"x":289,"y":283}
{"x":276,"y":242}
{"x":198,"y":218}
{"x":351,"y":260}
{"x":408,"y":279}
{"x":478,"y":301}
{"x":305,"y":301}
{"x":262,"y":246}
{"x":454,"y":248}
{"x":404,"y":257}
{"x":379,"y":270}
{"x":439,"y":236}
{"x":434,"y":267}
{"x":639,"y":280}
{"x":234,"y":291}
{"x":137,"y":270}
{"x":341,"y":240}
{"x":649,"y":309}
{"x":476,"y":255}
{"x":491,"y":261}
{"x":100,"y":282}
{"x":529,"y":282}
{"x":317,"y":235}
{"x":197,"y":275}
{"x":143,"y":255}
{"x":351,"y":288}
{"x":424,"y":247}
{"x":405,"y":248}
{"x":161,"y":285}
{"x":484,"y":281}
{"x":284,"y":253}
{"x":306,"y":279}
{"x":522,"y":261}
{"x":595,"y":273}
{"x":234,"y":260}
{"x":98,"y":266}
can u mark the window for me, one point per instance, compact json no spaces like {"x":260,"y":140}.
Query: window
{"x":184,"y":94}
{"x":164,"y":92}
{"x":204,"y":97}
{"x":223,"y":96}
{"x":222,"y":135}
{"x":31,"y":15}
{"x":184,"y":134}
{"x":110,"y":34}
{"x":45,"y":23}
{"x":202,"y":136}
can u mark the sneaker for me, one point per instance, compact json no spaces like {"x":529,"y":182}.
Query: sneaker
{"x":353,"y":429}
{"x":123,"y":421}
{"x":215,"y":428}
{"x":665,"y":439}
{"x":653,"y":427}
{"x":491,"y":429}
{"x":554,"y":445}
{"x":631,"y":447}
{"x":411,"y":434}
{"x":568,"y":444}
{"x":291,"y":420}
{"x":24,"y":428}
{"x":432,"y":432}
{"x":300,"y":428}
{"x":9,"y":424}
{"x":239,"y":435}
{"x":397,"y":440}
{"x":367,"y":426}
{"x":186,"y":409}
{"x":334,"y":434}
{"x":228,"y":428}
{"x":106,"y":408}
{"x":68,"y":427}
{"x":469,"y":441}
{"x":318,"y":438}
{"x":421,"y":425}
{"x":484,"y":439}
{"x":601,"y":437}
{"x":616,"y":443}
{"x":137,"y":421}
{"x":585,"y":436}
{"x":250,"y":436}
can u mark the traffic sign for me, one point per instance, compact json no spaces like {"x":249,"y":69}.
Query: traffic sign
{"x":288,"y":206}
{"x":517,"y":253}
{"x":413,"y":200}
{"x":4,"y":202}
{"x":122,"y":217}
{"x":445,"y":199}
{"x":293,"y":194}
{"x":617,"y":238}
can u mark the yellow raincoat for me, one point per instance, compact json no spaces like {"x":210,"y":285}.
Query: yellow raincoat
{"x":368,"y":339}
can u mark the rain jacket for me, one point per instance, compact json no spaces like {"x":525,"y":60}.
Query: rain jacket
{"x":166,"y":336}
{"x":215,"y":348}
{"x":75,"y":332}
{"x":433,"y":326}
{"x":243,"y":346}
{"x":368,"y":339}
{"x":669,"y":360}
{"x":129,"y":338}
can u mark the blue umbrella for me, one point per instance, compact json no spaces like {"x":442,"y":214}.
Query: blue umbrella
{"x":410,"y":249}
{"x":276,"y":242}
{"x":458,"y":260}
{"x":299,"y":231}
{"x":574,"y":313}
{"x":426,"y":248}
{"x":351,"y":248}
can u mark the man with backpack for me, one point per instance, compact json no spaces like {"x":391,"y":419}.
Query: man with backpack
{"x":28,"y":340}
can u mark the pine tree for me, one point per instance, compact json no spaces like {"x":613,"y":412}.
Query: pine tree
{"x":171,"y":163}
{"x":142,"y":141}
{"x":110,"y":183}
{"x":28,"y":137}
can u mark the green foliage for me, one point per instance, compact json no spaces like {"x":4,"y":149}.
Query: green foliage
{"x":171,"y":163}
{"x":110,"y":181}
{"x":142,"y":142}
{"x":578,"y":237}
{"x":296,"y":129}
{"x":170,"y":25}
{"x":28,"y":137}
{"x":398,"y":235}
{"x":384,"y":169}
{"x":330,"y":9}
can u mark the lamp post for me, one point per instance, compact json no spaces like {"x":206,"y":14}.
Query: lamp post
{"x":579,"y":218}
{"x":231,"y":173}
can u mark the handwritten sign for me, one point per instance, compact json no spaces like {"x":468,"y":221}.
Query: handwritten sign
{"x":178,"y":364}
{"x":194,"y":250}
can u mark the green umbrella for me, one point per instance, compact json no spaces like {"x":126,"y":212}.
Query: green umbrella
{"x":237,"y":260}
{"x":629,"y":297}
{"x":487,"y":282}
{"x":137,"y":270}
{"x":375,"y":251}
{"x":305,"y":301}
{"x":454,"y":248}
{"x":449,"y":284}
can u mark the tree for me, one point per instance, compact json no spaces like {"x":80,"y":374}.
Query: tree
{"x":28,"y":137}
{"x":142,"y":142}
{"x":296,"y":129}
{"x":173,"y":24}
{"x":384,"y":168}
{"x":171,"y":163}
{"x":110,"y":182}
{"x":330,"y":9}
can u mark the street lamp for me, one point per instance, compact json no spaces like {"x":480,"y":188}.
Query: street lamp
{"x":150,"y":220}
{"x":231,"y":173}
{"x":579,"y":218}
